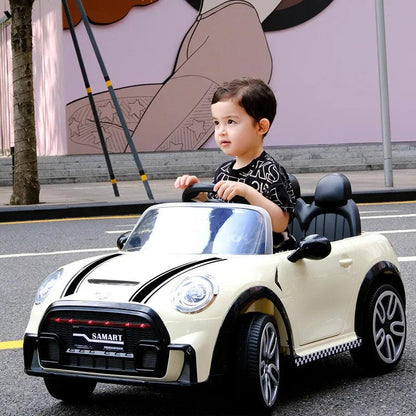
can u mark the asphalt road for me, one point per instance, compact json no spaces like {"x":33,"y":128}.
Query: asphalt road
{"x":335,"y":386}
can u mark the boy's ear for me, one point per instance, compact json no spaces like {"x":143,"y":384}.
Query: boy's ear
{"x":263,"y":126}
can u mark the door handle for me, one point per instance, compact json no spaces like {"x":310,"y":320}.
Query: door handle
{"x":345,"y":262}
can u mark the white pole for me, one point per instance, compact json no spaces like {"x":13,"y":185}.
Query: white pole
{"x":384,"y":93}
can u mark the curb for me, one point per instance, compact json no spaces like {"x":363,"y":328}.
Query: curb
{"x":51,"y":212}
{"x":87,"y":210}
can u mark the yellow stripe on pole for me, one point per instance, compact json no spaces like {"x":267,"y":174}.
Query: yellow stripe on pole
{"x":11,"y":345}
{"x":143,"y":178}
{"x":89,"y":90}
{"x":113,"y":181}
{"x":108,"y":83}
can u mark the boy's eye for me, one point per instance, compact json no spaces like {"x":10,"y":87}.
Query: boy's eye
{"x":231,"y":121}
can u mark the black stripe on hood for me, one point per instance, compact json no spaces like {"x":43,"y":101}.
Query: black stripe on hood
{"x":153,"y":284}
{"x":76,"y":280}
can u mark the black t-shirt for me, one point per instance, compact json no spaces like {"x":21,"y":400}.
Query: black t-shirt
{"x":269,"y":178}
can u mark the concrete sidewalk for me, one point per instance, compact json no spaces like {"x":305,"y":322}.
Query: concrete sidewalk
{"x":98,"y":199}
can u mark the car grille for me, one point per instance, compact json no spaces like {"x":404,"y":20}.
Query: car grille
{"x":104,"y":340}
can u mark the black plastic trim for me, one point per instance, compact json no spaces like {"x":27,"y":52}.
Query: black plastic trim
{"x":160,"y":344}
{"x":111,"y":307}
{"x":32,"y":367}
{"x":383,"y":271}
{"x":224,"y":341}
{"x":189,"y":371}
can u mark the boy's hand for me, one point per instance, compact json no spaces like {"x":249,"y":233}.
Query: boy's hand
{"x":185,"y":181}
{"x":227,"y":190}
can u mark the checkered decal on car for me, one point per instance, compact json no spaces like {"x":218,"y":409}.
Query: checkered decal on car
{"x":328,"y":352}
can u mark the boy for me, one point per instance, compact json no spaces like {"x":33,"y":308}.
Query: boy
{"x":242,"y":111}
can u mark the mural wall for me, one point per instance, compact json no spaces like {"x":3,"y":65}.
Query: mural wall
{"x":225,"y":41}
{"x":320,"y":61}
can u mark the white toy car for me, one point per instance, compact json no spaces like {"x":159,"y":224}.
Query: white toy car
{"x":196,"y":292}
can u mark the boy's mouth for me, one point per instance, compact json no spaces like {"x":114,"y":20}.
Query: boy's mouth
{"x":224,"y":142}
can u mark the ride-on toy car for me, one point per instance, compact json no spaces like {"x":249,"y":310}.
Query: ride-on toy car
{"x":196,"y":292}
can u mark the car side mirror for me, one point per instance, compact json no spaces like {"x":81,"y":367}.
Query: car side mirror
{"x":121,"y":240}
{"x":313,"y":247}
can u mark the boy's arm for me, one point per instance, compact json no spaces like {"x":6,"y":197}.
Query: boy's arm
{"x":227,"y":190}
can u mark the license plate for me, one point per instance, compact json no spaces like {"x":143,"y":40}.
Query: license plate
{"x":95,"y":338}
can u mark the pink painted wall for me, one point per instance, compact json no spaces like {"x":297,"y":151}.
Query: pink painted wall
{"x":326,"y":75}
{"x":325,"y":72}
{"x":48,"y":80}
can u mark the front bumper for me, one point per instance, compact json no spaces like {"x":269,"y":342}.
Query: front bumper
{"x":144,"y":355}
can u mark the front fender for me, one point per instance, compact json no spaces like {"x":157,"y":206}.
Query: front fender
{"x":223,"y":346}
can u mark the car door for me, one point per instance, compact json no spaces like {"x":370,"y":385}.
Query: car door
{"x":317,"y":293}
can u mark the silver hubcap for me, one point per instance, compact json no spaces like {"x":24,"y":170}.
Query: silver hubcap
{"x":269,"y":364}
{"x":389,"y":326}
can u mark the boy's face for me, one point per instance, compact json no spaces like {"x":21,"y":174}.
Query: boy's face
{"x":236,"y":133}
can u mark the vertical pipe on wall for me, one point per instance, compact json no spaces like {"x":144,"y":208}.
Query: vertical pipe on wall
{"x":384,"y":93}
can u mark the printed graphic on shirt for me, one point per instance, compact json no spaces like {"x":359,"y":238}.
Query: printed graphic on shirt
{"x":265,"y":175}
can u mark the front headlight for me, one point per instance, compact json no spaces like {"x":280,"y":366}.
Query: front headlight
{"x":194,"y":293}
{"x":47,"y":285}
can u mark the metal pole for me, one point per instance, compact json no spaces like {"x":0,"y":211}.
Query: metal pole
{"x":384,"y":93}
{"x":109,"y":84}
{"x":91,"y":98}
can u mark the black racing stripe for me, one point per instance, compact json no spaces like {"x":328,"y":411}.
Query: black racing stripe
{"x":76,"y":280}
{"x":153,"y":284}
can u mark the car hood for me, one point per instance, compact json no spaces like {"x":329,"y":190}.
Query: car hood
{"x":131,"y":276}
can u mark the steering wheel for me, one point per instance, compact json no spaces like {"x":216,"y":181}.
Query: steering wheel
{"x":192,"y":191}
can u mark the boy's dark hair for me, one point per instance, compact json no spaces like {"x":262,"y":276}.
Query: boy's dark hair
{"x":252,"y":94}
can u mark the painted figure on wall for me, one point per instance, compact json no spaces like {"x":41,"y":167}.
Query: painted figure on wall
{"x":226,"y":41}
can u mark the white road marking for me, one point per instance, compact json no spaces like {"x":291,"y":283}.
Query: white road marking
{"x":97,"y":250}
{"x":54,"y":253}
{"x":406,"y":259}
{"x":379,"y":212}
{"x":388,"y":216}
{"x":394,"y":231}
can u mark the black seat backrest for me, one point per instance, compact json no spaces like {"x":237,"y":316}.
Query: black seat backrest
{"x":332,"y":214}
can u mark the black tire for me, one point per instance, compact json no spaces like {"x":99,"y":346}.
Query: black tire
{"x":72,"y":390}
{"x":257,"y":362}
{"x":383,"y":331}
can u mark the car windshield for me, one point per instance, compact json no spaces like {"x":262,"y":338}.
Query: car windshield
{"x":201,"y":229}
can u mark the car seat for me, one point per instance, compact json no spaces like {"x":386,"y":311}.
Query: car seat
{"x":332,"y":214}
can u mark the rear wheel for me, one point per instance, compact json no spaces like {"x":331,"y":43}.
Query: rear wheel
{"x":257,"y":362}
{"x":383,"y":331}
{"x":69,"y":389}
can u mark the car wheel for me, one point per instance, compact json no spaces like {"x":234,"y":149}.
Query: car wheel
{"x":69,"y":389}
{"x":383,"y":331}
{"x":257,"y":362}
